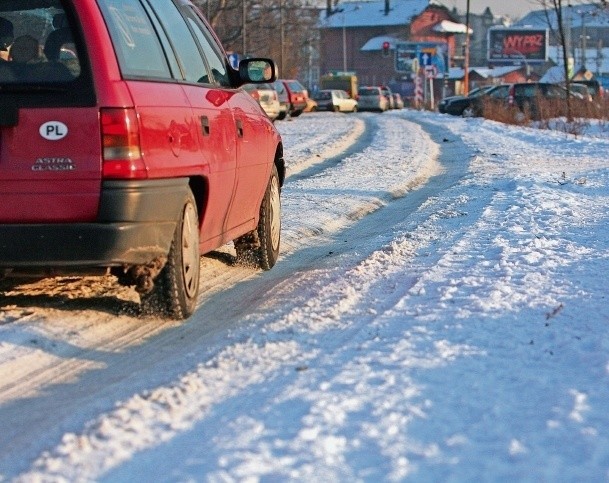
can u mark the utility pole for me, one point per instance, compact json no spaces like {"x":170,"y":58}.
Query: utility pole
{"x":466,"y":63}
{"x":282,"y":38}
{"x":244,"y":20}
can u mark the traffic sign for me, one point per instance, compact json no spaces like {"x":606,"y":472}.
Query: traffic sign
{"x":431,"y":71}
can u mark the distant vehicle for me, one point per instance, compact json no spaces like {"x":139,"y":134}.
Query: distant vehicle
{"x":447,"y":100}
{"x":345,"y":81}
{"x":595,"y":88}
{"x":581,"y":90}
{"x":335,"y":100}
{"x":311,"y":105}
{"x":389,"y":95}
{"x":398,"y":101}
{"x":284,"y":99}
{"x":473,"y":104}
{"x":297,"y":95}
{"x":371,"y":98}
{"x":267,"y":97}
{"x":528,"y":98}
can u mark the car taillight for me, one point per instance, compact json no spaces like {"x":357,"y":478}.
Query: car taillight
{"x":122,"y":157}
{"x":255,"y":94}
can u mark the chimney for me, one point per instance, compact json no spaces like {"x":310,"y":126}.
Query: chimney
{"x":387,"y":7}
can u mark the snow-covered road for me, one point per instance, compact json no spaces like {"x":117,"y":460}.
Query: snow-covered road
{"x":438,"y":314}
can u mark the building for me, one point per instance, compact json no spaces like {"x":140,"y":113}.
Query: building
{"x":352,"y":36}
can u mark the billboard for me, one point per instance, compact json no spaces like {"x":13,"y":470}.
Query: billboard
{"x":517,"y":45}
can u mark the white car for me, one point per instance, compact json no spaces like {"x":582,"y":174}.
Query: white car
{"x":335,"y":100}
{"x":267,"y":97}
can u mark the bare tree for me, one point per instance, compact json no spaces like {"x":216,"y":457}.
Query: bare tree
{"x":561,"y":32}
{"x":283,"y":30}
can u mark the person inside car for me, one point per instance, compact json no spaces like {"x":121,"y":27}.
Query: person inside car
{"x":6,"y":37}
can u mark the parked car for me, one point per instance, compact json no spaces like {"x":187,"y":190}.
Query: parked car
{"x":311,"y":105}
{"x":284,"y":99}
{"x":144,"y":157}
{"x":267,"y":97}
{"x":389,"y":95}
{"x":473,"y":105}
{"x":297,"y":96}
{"x":581,"y":90}
{"x":371,"y":98}
{"x":531,"y":98}
{"x":398,"y":102}
{"x":335,"y":100}
{"x":595,"y":88}
{"x":447,"y":100}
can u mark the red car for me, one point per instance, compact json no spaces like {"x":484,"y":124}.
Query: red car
{"x":297,"y":96}
{"x":127,"y":146}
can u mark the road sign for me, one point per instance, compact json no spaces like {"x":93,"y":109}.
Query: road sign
{"x":233,"y":58}
{"x":424,"y":58}
{"x":431,"y":71}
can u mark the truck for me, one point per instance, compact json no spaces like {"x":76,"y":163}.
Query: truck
{"x":346,"y":81}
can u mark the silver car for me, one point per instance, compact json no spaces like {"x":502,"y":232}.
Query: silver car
{"x":371,"y":98}
{"x":267,"y":97}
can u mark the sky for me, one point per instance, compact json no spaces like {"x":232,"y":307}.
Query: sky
{"x":438,"y":313}
{"x":515,"y":8}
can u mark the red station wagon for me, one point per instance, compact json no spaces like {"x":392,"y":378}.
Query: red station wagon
{"x":127,"y":146}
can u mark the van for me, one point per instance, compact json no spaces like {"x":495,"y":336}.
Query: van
{"x":127,"y":147}
{"x":346,"y":81}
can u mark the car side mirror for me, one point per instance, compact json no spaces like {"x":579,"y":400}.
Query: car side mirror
{"x":257,"y":70}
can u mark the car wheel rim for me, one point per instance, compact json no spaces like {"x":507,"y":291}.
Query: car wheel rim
{"x":275,"y":215}
{"x":190,"y":250}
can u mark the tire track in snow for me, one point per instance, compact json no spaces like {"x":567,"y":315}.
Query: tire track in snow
{"x":95,"y":451}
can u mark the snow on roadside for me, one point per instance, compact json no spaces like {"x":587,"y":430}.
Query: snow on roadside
{"x":306,"y":147}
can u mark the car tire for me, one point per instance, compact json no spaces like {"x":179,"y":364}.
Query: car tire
{"x":176,"y":288}
{"x":354,"y":109}
{"x":335,"y":109}
{"x":296,"y":113}
{"x":260,"y":247}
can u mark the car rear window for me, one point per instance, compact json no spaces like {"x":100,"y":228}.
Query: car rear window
{"x":37,"y":44}
{"x":368,"y":91}
{"x":323,"y":96}
{"x":295,"y":86}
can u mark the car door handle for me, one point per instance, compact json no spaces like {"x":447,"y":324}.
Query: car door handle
{"x":239,"y":128}
{"x":205,"y":125}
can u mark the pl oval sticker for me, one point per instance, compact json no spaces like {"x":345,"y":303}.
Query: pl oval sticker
{"x":53,"y":130}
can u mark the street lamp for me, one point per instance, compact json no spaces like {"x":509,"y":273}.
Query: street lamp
{"x":344,"y":43}
{"x":583,"y":37}
{"x":357,"y":7}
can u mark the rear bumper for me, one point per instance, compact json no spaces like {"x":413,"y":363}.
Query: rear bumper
{"x":325,"y":106}
{"x":135,"y":225}
{"x":298,"y":106}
